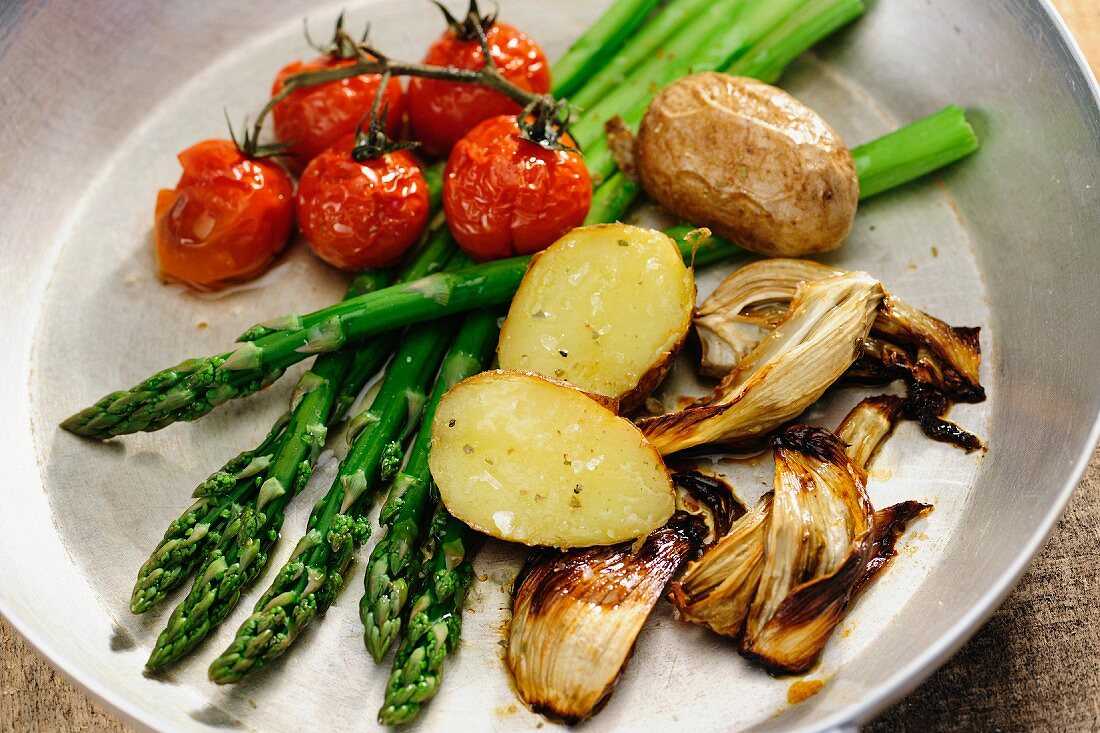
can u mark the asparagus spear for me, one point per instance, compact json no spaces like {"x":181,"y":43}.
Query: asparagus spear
{"x":249,"y":518}
{"x":770,"y":56}
{"x":644,"y":44}
{"x":412,"y":497}
{"x":602,"y":39}
{"x":188,"y":538}
{"x":242,"y":553}
{"x":225,"y":494}
{"x":435,"y":622}
{"x":188,"y":392}
{"x":311,"y":579}
{"x":913,"y":151}
{"x":337,"y":525}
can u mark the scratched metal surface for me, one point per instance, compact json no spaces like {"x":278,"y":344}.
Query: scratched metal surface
{"x":132,"y":84}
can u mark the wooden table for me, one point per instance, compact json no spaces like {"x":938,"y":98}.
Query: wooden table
{"x":1013,"y":675}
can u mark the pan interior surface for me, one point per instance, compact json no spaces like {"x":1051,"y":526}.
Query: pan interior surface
{"x":1002,"y":241}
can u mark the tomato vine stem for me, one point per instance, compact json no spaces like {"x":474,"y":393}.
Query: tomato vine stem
{"x":370,"y":61}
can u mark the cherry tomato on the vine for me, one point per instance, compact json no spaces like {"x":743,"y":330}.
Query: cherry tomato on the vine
{"x":442,"y":112}
{"x":359,"y":215}
{"x":505,"y":196}
{"x":225,"y":220}
{"x":313,"y":118}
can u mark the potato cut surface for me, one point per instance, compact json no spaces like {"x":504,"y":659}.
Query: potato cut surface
{"x":605,"y":308}
{"x":526,"y":460}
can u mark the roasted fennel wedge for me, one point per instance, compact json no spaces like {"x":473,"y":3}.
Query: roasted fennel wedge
{"x":784,"y":374}
{"x":906,"y":342}
{"x":746,"y":306}
{"x":781,"y":578}
{"x":818,"y":541}
{"x":576,"y":614}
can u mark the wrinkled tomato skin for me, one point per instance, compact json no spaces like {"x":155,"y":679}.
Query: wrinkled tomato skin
{"x":442,"y":112}
{"x":506,"y":196}
{"x":225,"y":220}
{"x":362,"y":215}
{"x":313,"y":118}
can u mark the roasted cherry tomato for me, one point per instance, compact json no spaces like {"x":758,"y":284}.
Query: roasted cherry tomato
{"x":505,"y":196}
{"x":362,"y":214}
{"x":313,"y":118}
{"x":226,"y":219}
{"x":442,"y":112}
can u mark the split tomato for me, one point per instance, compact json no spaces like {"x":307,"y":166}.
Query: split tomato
{"x":505,"y":195}
{"x":225,"y":220}
{"x":313,"y":118}
{"x":362,"y":214}
{"x":442,"y":112}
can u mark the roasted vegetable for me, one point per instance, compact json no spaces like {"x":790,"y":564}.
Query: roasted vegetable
{"x":750,"y":162}
{"x":819,"y":539}
{"x":577,"y":614}
{"x":814,"y":554}
{"x":907,"y":343}
{"x":716,"y":590}
{"x":786,"y":372}
{"x":868,"y":424}
{"x":605,"y":308}
{"x":746,"y":306}
{"x":526,"y":460}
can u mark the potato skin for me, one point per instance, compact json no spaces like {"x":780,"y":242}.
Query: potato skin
{"x":750,"y":162}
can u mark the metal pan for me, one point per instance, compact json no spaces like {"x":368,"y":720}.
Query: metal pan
{"x":97,"y":99}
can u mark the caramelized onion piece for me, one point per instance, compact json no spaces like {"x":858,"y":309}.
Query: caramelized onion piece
{"x":784,"y":374}
{"x":890,"y":523}
{"x":867,"y":426}
{"x":954,"y":351}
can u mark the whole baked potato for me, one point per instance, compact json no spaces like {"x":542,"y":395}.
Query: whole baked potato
{"x":750,"y":162}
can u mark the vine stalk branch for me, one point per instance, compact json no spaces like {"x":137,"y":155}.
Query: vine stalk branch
{"x":372,"y":62}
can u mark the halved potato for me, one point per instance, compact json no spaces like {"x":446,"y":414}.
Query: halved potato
{"x":606,"y":308}
{"x":526,"y":460}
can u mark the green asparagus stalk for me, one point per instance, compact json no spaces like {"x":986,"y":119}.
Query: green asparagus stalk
{"x":310,"y":581}
{"x":224,"y":495}
{"x":772,"y":54}
{"x":393,"y":562}
{"x":318,"y":569}
{"x":251,"y":533}
{"x":190,"y":390}
{"x":724,"y":30}
{"x":602,"y":40}
{"x":643,"y":45}
{"x":247,"y":524}
{"x":913,"y":151}
{"x":189,"y":537}
{"x":435,"y":622}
